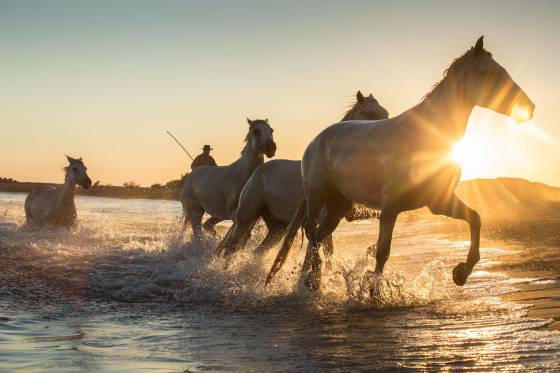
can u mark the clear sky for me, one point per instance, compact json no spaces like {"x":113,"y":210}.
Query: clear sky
{"x":105,"y":79}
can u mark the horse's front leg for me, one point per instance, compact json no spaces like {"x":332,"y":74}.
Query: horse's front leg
{"x":225,"y":241}
{"x":387,"y":221}
{"x":455,"y":208}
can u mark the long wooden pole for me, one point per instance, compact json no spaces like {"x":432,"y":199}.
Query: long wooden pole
{"x":181,"y":145}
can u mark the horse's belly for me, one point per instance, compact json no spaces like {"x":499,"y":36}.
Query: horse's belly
{"x":360,"y":180}
{"x":282,"y":188}
{"x":281,"y":200}
{"x":282,"y":208}
{"x":368,"y":196}
{"x":216,"y":206}
{"x":213,"y":194}
{"x":39,"y":206}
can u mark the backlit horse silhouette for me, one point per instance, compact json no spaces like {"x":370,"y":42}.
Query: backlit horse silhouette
{"x":403,"y":163}
{"x":54,"y":205}
{"x":216,"y":189}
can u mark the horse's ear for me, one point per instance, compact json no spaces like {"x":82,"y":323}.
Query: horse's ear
{"x":80,"y":159}
{"x":266,"y":120}
{"x":359,"y":97}
{"x":70,"y":159}
{"x":479,"y":46}
{"x":249,"y":121}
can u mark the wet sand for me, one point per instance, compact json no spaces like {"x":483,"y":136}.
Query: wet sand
{"x":535,"y":256}
{"x":532,"y":260}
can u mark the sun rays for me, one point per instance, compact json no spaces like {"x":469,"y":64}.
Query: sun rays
{"x":494,"y":146}
{"x":470,"y":153}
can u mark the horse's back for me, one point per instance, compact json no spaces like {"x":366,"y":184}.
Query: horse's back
{"x":351,"y":157}
{"x":207,"y":186}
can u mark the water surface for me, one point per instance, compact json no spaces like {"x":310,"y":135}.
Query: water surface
{"x":124,"y":291}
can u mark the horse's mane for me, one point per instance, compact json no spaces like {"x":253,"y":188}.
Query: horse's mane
{"x":457,"y":66}
{"x":353,"y":107}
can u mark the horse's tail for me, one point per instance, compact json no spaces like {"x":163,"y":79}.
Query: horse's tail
{"x":297,"y":221}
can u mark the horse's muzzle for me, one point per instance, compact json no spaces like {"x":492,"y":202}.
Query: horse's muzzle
{"x":86,"y":184}
{"x":523,"y":109}
{"x":270,"y":149}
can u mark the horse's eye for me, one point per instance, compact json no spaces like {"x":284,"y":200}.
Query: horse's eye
{"x":271,"y":130}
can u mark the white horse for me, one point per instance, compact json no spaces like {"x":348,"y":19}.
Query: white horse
{"x":55,"y":205}
{"x":403,"y":163}
{"x":216,"y":189}
{"x":274,"y":189}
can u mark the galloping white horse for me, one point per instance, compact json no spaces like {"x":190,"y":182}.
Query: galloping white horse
{"x":216,"y":190}
{"x":55,"y":205}
{"x":274,"y":189}
{"x":403,"y":163}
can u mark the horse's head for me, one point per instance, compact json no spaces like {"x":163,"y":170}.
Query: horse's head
{"x":76,"y":172}
{"x":369,"y":108}
{"x":260,"y":135}
{"x":489,"y":85}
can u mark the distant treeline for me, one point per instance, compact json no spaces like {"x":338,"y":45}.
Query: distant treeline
{"x":170,"y":190}
{"x":7,"y":180}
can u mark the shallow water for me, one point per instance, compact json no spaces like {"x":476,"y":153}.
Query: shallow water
{"x":125,"y":292}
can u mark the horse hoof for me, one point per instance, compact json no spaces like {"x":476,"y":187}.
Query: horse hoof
{"x":460,"y":274}
{"x":312,"y":282}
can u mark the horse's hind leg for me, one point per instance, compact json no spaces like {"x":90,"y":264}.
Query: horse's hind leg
{"x":327,"y":243}
{"x":273,"y":236}
{"x":336,"y":207}
{"x":455,"y":208}
{"x":276,"y":230}
{"x":193,"y":215}
{"x":209,"y":225}
{"x":240,"y":233}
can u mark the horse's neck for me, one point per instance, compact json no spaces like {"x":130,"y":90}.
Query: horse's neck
{"x":443,"y":116}
{"x":67,"y":192}
{"x":250,"y":159}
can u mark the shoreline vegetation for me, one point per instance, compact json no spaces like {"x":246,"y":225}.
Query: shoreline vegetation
{"x":129,"y":190}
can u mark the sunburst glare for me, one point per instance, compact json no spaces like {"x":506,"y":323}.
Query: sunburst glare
{"x":470,"y":152}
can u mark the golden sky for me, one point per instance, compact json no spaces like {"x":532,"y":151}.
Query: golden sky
{"x":104,"y":80}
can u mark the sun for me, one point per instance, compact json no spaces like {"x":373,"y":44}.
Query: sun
{"x":460,"y":152}
{"x":471,"y":153}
